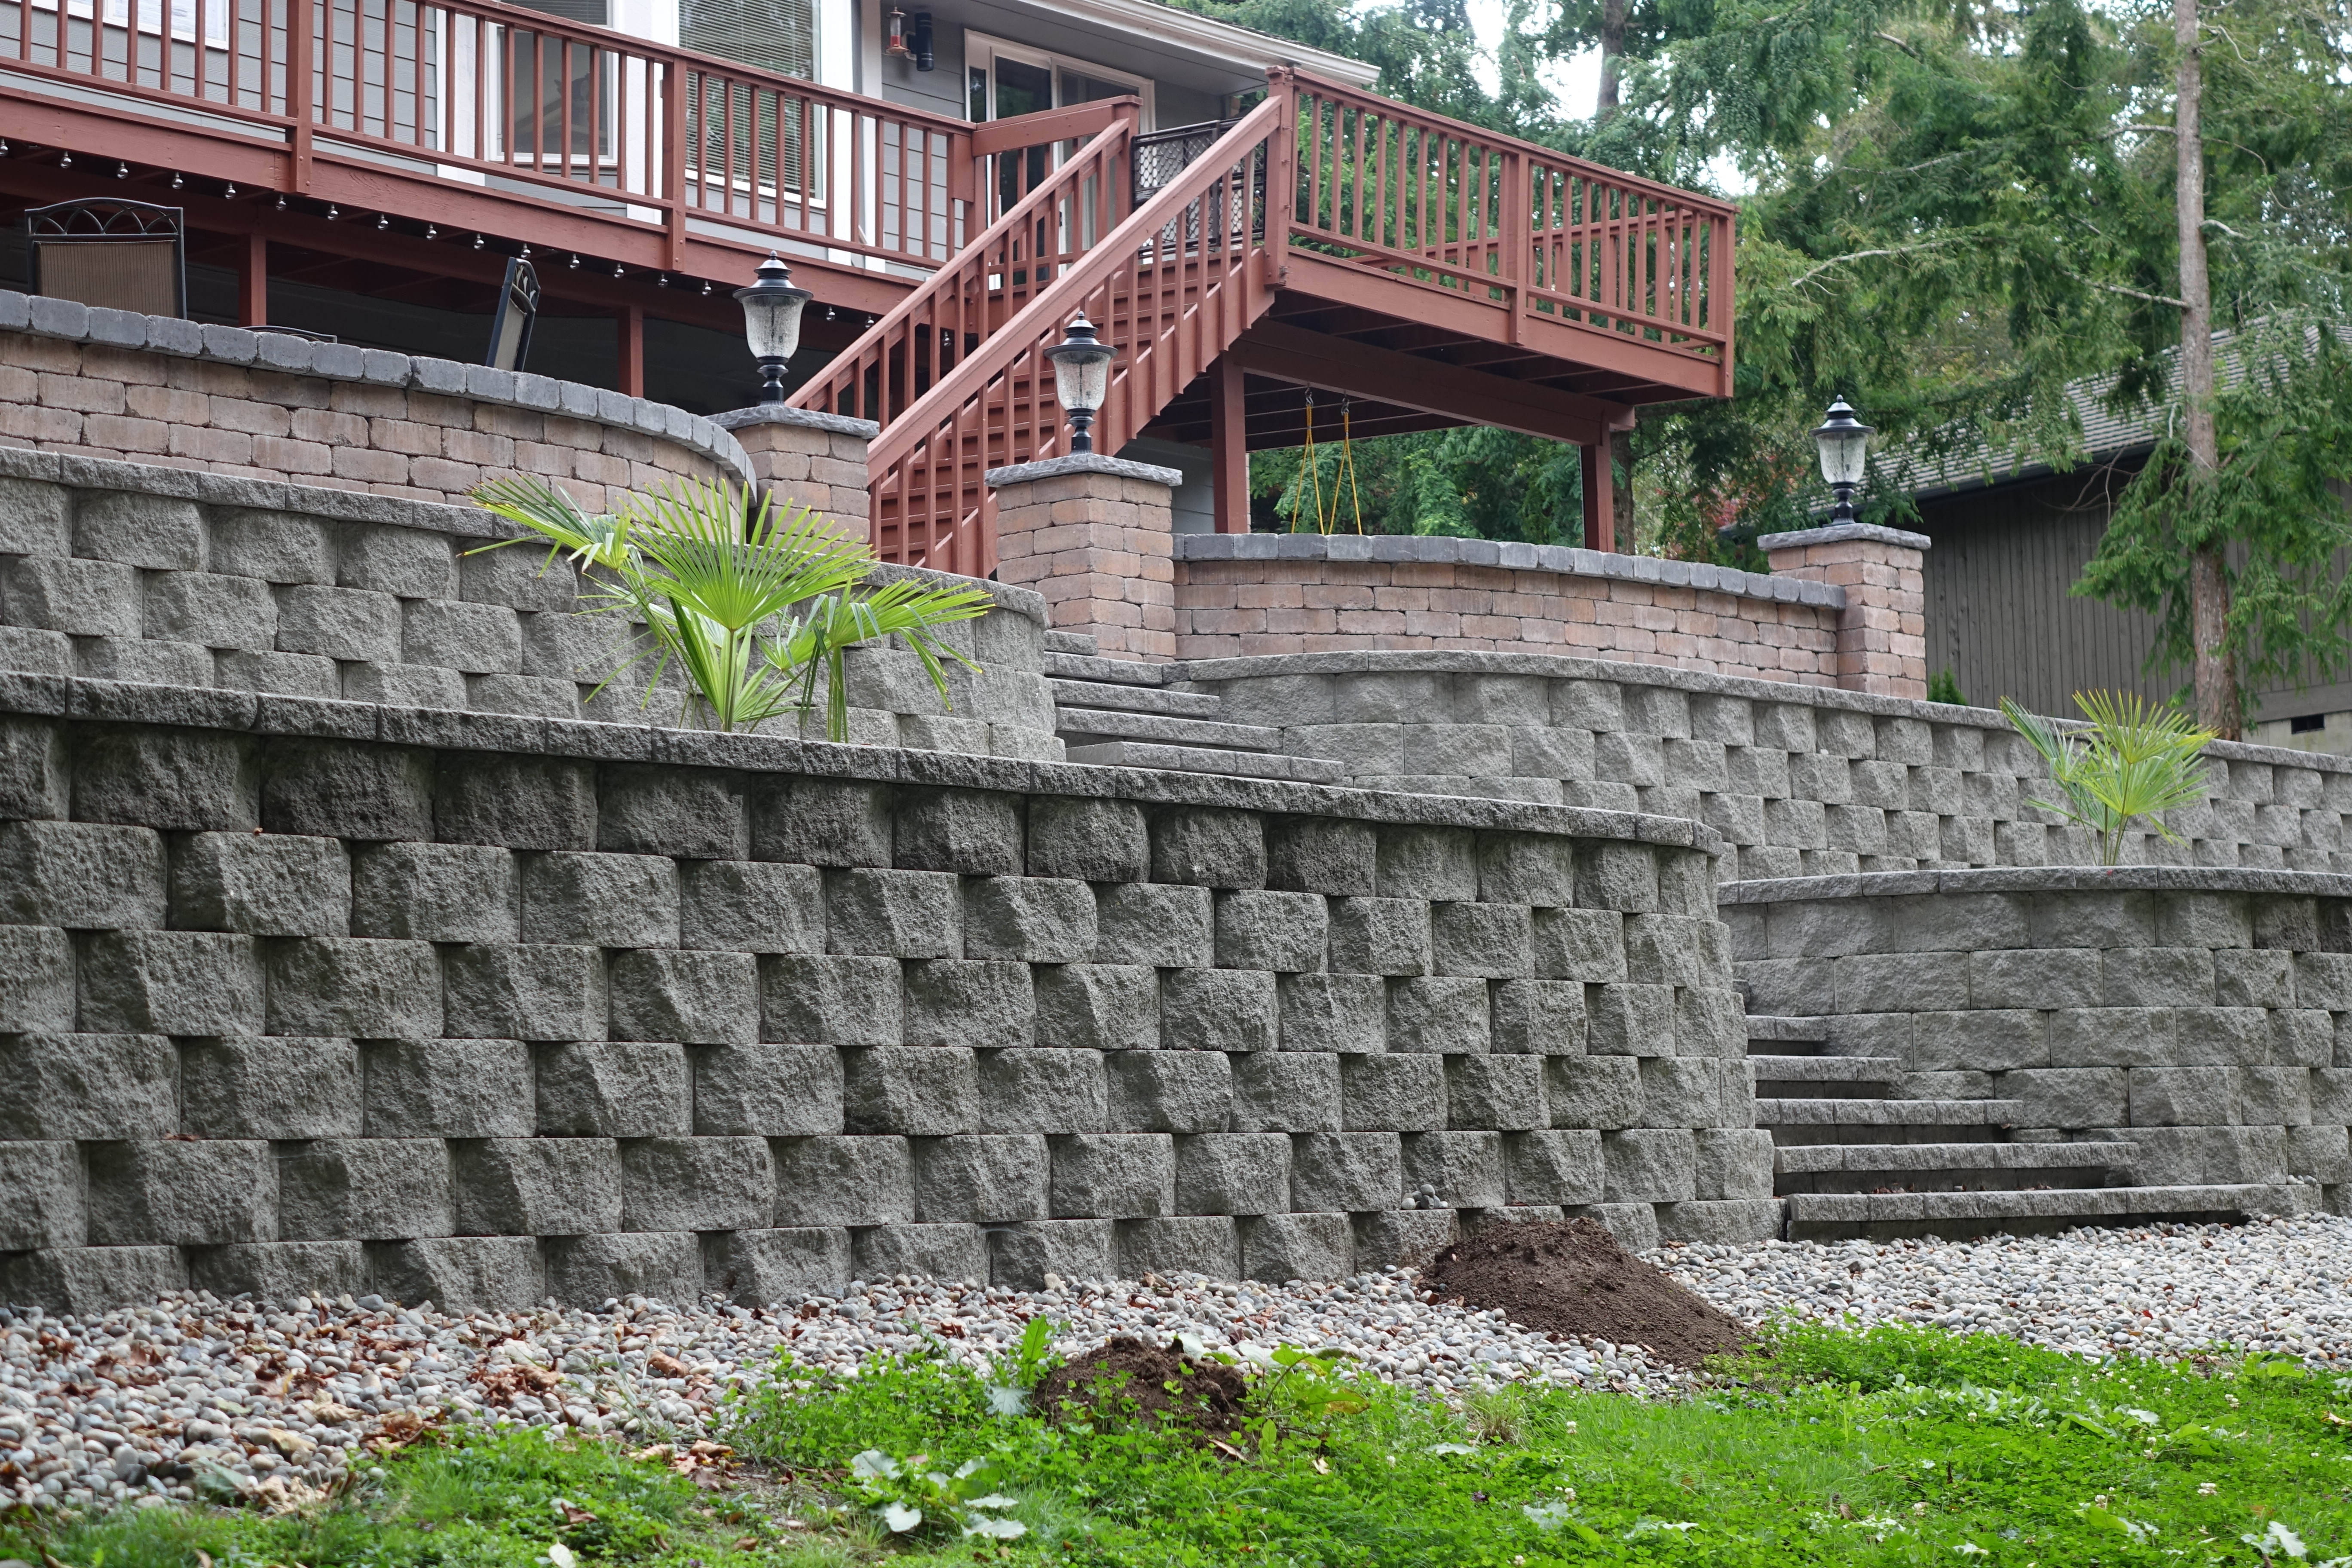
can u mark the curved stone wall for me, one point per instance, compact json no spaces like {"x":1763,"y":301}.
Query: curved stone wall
{"x":1800,"y":780}
{"x":128,"y":572}
{"x":2204,"y":1017}
{"x":157,"y":389}
{"x":306,"y":996}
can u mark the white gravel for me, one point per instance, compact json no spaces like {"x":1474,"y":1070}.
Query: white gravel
{"x":197,"y":1395}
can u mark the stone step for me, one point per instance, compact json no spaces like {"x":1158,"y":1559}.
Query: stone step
{"x":1825,"y":1077}
{"x":1894,"y":1217}
{"x":1821,"y":1119}
{"x":1207,"y":760}
{"x":1078,"y":727}
{"x":1118,"y":672}
{"x":1946,"y":1167}
{"x":1080,"y":643}
{"x":1787,"y":1037}
{"x":1101,"y":694}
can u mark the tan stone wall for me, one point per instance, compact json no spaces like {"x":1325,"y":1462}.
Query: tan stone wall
{"x":1882,"y":633}
{"x":813,"y":466}
{"x":1097,"y":546}
{"x":1235,"y":608}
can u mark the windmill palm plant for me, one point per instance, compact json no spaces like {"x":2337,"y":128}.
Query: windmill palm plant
{"x":2133,"y":759}
{"x":753,"y":603}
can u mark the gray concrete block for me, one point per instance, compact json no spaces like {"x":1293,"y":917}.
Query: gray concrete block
{"x":1730,"y":1222}
{"x":664,"y":1266}
{"x":338,"y":789}
{"x":365,"y":1189}
{"x":1553,"y":1167}
{"x":2331,"y":1095}
{"x":1997,"y":1039}
{"x":838,"y":1001}
{"x":975,"y":832}
{"x":1178,"y":1244}
{"x":926,"y":1092}
{"x":844,"y":1181}
{"x":1089,"y":840}
{"x":1894,"y":982}
{"x":87,"y":1086}
{"x":1603,"y":1092}
{"x":33,"y":519}
{"x":94,"y":598}
{"x":1710,"y":1022}
{"x":2255,"y":977}
{"x":1021,"y":1257}
{"x":1734,"y":1163}
{"x":530,"y":992}
{"x":274,"y":546}
{"x":2321,"y":1153}
{"x":1629,"y":1020}
{"x":694,"y":814}
{"x":1318,"y":855}
{"x":698,"y":998}
{"x":767,"y":1090}
{"x":1341,"y":1013}
{"x":1427,"y":862}
{"x":1217,"y":1010}
{"x":600,"y":901}
{"x":752,"y":906}
{"x":272,"y":885}
{"x":1203,"y":847}
{"x":2324,"y":980}
{"x":1113,"y":1176}
{"x":162,"y":533}
{"x":135,"y":982}
{"x":1380,"y":936}
{"x":2160,"y":977}
{"x":43,"y":1206}
{"x":2065,"y":1097}
{"x":406,"y":561}
{"x":1488,"y":941}
{"x":981,"y":1178}
{"x":1285,"y":1246}
{"x":1682,"y":1092}
{"x":34,"y":780}
{"x":1617,"y":875}
{"x":1675,"y":949}
{"x":1233,"y":1174}
{"x":1393,"y":1094}
{"x":821,"y":822}
{"x":1097,"y":1006}
{"x":1540,"y":1017}
{"x":614,"y":1091}
{"x":519,"y":802}
{"x":280,"y":1270}
{"x":1580,"y":944}
{"x":277,"y":1087}
{"x":987,"y":1005}
{"x":90,"y":1280}
{"x":2223,"y":1036}
{"x":338,"y":623}
{"x":1350,"y":1171}
{"x":896,"y":913}
{"x":1285,"y":932}
{"x":286,"y":673}
{"x":1527,"y":869}
{"x":2182,"y":1097}
{"x":447,"y":1088}
{"x":775,"y":1267}
{"x":1031,"y":920}
{"x":696,"y":1184}
{"x":1044,"y":1091}
{"x":2275,"y":1096}
{"x":436,"y":892}
{"x":1437,"y":1016}
{"x":361,"y":987}
{"x":1653,"y":1165}
{"x":538,"y":1186}
{"x":1177,"y":1091}
{"x":1143,"y":923}
{"x":942,"y":1252}
{"x":210,"y":609}
{"x":477,"y":639}
{"x":1286,"y":1092}
{"x":1503,"y":1093}
{"x":1454,"y":1170}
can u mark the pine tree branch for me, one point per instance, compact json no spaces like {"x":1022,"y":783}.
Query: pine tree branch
{"x":1818,"y":268}
{"x":2133,"y":293}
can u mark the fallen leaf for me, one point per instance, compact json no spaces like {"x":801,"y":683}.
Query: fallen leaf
{"x":1321,"y":1468}
{"x":665,"y":1364}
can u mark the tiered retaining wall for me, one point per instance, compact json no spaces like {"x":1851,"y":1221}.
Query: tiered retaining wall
{"x":1800,"y":780}
{"x":314,"y":997}
{"x":2205,"y":1016}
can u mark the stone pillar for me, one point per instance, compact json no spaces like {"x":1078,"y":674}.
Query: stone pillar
{"x":1094,"y":535}
{"x":1882,"y":639}
{"x":816,"y":459}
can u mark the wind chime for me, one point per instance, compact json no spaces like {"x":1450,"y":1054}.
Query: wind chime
{"x":1310,"y":476}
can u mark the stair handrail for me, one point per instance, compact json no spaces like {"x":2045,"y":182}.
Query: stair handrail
{"x":1110,"y":124}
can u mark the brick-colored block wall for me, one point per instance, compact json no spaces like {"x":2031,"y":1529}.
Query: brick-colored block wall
{"x":1882,"y":633}
{"x":813,"y":461}
{"x":1099,"y":546}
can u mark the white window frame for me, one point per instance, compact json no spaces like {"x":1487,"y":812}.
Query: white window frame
{"x":983,"y":50}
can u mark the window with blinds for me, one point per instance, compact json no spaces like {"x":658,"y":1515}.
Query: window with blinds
{"x":596,"y":13}
{"x":778,"y":35}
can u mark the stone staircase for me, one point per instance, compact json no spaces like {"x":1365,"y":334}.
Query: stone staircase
{"x":1116,"y":712}
{"x":1851,"y":1159}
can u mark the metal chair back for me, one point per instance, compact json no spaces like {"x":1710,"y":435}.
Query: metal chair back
{"x":518,"y":310}
{"x":127,"y":256}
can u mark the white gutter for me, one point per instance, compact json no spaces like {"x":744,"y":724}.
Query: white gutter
{"x":1197,"y":34}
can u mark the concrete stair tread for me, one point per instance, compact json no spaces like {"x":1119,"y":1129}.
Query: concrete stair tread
{"x":1797,"y":1111}
{"x":1097,"y":695}
{"x":2047,"y":1203}
{"x":1118,"y":671}
{"x":1207,"y":760}
{"x":1161,"y":729}
{"x":1827,"y":1069}
{"x":1903,"y":1159}
{"x":1080,"y":643}
{"x":1772,"y":1026}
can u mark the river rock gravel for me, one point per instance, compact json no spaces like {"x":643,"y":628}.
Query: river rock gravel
{"x":196,"y":1397}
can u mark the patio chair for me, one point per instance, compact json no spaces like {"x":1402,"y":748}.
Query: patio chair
{"x":130,"y":256}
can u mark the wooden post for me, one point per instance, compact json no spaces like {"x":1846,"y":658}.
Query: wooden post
{"x":253,"y":281}
{"x":302,"y":48}
{"x":1599,"y":504}
{"x":631,"y":325}
{"x":1228,"y":447}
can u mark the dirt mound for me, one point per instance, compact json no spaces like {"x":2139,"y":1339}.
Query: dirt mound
{"x":1571,"y":1278}
{"x":1150,"y":1383}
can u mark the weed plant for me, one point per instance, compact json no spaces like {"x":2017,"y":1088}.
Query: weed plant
{"x":1894,"y":1446}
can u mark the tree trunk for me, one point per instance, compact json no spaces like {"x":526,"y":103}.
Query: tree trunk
{"x":1612,"y":49}
{"x":2214,"y":668}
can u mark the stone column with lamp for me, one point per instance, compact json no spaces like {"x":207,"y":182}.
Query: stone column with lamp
{"x":815,"y":458}
{"x":1882,"y":636}
{"x":1093,"y":534}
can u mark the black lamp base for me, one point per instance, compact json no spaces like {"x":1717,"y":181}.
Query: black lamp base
{"x":771,"y":380}
{"x":1082,"y":430}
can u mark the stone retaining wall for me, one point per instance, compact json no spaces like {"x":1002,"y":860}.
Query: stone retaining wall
{"x":176,"y":393}
{"x":128,"y":572}
{"x":1800,"y":780}
{"x":306,"y":995}
{"x":2205,"y":1016}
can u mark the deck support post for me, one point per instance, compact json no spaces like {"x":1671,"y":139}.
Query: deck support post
{"x":1600,"y":501}
{"x":631,"y":326}
{"x":253,"y":281}
{"x":1228,"y":447}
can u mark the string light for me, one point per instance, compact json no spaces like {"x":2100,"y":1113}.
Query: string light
{"x":122,"y":170}
{"x":228,"y":193}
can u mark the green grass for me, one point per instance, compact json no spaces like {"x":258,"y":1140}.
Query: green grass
{"x":1893,"y":1446}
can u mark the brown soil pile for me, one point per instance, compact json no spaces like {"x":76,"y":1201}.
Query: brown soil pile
{"x":1571,"y":1278}
{"x":1152,"y":1384}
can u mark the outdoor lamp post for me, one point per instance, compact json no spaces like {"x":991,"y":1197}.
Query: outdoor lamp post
{"x":1844,"y":443}
{"x":771,"y":323}
{"x":1081,"y":378}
